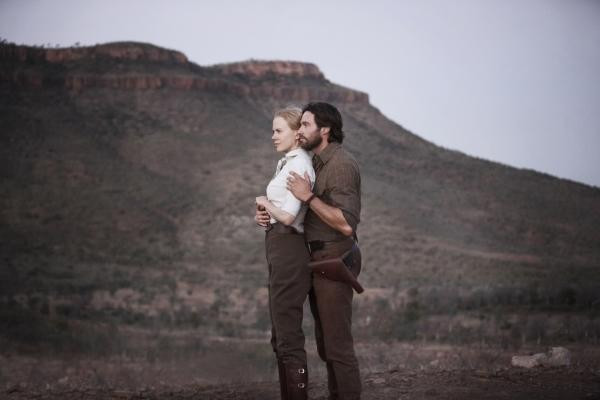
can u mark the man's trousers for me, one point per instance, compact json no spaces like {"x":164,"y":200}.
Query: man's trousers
{"x":331,"y":306}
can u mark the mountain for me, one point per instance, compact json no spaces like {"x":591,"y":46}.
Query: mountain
{"x":128,"y":182}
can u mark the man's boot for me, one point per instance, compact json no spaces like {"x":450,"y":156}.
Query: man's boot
{"x":297,"y":381}
{"x":282,"y":380}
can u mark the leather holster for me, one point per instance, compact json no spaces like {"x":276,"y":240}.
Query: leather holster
{"x":341,"y":268}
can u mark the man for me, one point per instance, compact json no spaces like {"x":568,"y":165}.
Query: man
{"x":330,"y":230}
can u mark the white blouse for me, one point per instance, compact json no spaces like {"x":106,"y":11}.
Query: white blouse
{"x":299,"y":161}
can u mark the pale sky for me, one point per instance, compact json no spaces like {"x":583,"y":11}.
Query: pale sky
{"x":513,"y":81}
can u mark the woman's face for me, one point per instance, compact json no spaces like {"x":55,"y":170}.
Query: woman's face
{"x":284,"y":137}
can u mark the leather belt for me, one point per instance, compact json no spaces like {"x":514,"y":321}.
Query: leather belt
{"x":278,"y":227}
{"x":316,"y":245}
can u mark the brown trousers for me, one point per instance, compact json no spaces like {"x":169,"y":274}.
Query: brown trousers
{"x":289,"y":284}
{"x":331,"y":306}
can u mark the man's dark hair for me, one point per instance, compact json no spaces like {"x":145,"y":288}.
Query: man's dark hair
{"x":327,"y":116}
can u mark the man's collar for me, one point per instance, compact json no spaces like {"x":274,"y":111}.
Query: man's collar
{"x":328,"y":152}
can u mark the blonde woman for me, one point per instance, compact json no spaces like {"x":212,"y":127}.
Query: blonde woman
{"x":282,"y":215}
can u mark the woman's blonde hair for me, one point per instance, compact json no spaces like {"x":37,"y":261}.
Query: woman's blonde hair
{"x":291,"y":115}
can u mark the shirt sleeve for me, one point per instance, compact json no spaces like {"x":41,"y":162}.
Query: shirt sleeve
{"x":291,"y":204}
{"x":345,"y":192}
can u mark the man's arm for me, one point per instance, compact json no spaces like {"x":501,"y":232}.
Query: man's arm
{"x":332,"y":216}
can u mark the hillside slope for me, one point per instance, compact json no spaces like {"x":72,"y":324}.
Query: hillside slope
{"x":128,"y":180}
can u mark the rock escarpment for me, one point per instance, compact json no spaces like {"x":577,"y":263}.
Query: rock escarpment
{"x":139,"y":66}
{"x":261,"y":69}
{"x":117,"y":51}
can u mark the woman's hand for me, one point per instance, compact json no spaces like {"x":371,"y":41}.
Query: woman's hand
{"x":262,"y":217}
{"x":262,"y":201}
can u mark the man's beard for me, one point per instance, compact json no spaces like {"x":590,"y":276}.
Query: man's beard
{"x":309,"y":145}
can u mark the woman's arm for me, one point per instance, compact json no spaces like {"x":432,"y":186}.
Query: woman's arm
{"x":277,"y":213}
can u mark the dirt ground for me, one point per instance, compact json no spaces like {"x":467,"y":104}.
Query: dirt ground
{"x":389,"y":371}
{"x":510,"y":383}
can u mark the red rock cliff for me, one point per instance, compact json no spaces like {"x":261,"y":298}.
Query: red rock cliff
{"x":117,"y":51}
{"x":151,"y":68}
{"x":260,"y":69}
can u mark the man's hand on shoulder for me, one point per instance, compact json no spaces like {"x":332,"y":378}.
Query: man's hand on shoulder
{"x":299,"y":186}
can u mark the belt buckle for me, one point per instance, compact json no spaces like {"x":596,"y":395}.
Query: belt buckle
{"x":315,"y":245}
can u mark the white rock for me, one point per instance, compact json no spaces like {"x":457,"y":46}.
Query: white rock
{"x":558,"y":357}
{"x":529,"y":361}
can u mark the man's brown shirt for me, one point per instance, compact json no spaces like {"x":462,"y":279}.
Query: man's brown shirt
{"x":338,"y":185}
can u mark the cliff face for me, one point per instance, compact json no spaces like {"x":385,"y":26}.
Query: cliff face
{"x":127,"y":69}
{"x":117,"y":51}
{"x":261,"y":69}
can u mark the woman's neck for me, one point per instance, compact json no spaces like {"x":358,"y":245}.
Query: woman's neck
{"x":295,"y":147}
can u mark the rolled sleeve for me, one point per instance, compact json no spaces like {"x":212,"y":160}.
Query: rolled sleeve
{"x":345,"y":192}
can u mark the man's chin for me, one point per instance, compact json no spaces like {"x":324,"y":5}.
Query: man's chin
{"x":309,"y":146}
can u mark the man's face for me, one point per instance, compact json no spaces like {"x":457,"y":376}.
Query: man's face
{"x":309,"y":134}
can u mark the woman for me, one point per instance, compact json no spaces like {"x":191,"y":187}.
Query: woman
{"x":287,"y":255}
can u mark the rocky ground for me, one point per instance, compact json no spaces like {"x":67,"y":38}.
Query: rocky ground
{"x":509,"y":383}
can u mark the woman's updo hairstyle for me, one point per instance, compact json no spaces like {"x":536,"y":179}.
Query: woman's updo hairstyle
{"x":291,"y":115}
